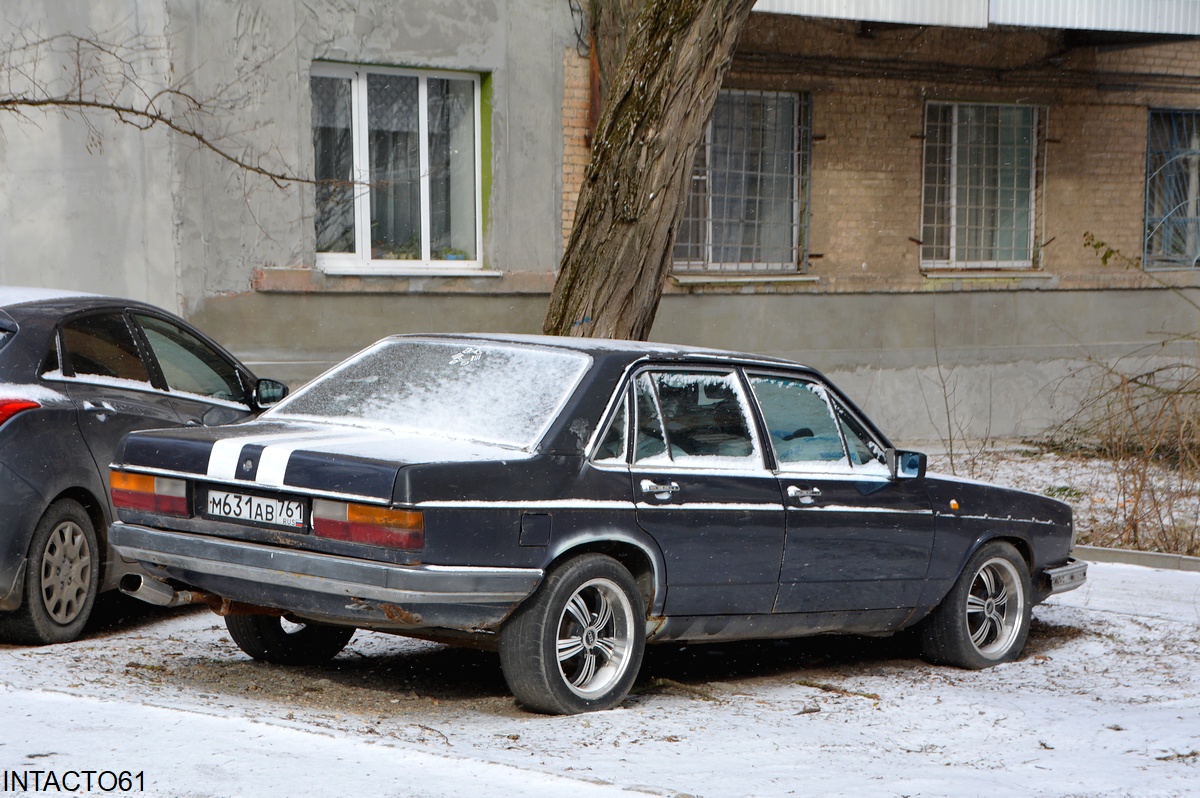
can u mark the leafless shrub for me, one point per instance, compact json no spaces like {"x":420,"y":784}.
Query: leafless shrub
{"x":1145,"y":420}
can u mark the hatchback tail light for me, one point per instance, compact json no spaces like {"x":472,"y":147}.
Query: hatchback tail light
{"x":363,"y":523}
{"x":148,"y":493}
{"x":10,"y":407}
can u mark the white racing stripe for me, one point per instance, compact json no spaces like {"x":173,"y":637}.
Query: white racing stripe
{"x":272,"y":465}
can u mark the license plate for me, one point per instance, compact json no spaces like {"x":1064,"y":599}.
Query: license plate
{"x":287,"y":513}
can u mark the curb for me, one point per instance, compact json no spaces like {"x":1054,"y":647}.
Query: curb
{"x":1149,"y":559}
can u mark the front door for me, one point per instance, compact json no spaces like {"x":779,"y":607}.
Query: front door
{"x":857,"y":539}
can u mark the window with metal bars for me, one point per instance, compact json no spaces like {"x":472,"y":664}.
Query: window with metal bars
{"x":1172,"y":190}
{"x":747,"y":206}
{"x":979,"y":186}
{"x":397,"y":167}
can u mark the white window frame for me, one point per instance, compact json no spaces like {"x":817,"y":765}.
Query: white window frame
{"x":952,"y":264}
{"x":360,"y":261}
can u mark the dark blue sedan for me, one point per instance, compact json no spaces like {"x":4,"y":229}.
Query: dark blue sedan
{"x":77,"y":372}
{"x":566,"y":501}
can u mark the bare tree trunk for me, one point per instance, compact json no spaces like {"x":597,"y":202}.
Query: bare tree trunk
{"x":611,"y":277}
{"x":612,"y":20}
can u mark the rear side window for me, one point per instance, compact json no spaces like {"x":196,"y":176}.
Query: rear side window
{"x":693,"y":419}
{"x":102,"y":346}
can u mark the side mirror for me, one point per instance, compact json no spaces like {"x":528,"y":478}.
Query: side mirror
{"x":269,"y":392}
{"x":904,"y":464}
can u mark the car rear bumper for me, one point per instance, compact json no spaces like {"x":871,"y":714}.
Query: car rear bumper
{"x":328,"y":587}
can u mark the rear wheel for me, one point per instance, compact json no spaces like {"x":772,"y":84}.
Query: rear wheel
{"x":62,"y":577}
{"x":270,"y":638}
{"x":577,"y":644}
{"x":984,"y":620}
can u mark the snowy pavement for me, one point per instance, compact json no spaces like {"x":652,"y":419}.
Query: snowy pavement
{"x":1106,"y":702}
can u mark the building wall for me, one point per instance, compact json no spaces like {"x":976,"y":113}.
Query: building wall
{"x":85,"y":207}
{"x":155,"y":216}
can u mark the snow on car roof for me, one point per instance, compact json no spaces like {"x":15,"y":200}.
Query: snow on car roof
{"x":19,"y":294}
{"x":596,"y":345}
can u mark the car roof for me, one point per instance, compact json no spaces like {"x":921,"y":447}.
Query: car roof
{"x":605,"y":348}
{"x":11,"y":295}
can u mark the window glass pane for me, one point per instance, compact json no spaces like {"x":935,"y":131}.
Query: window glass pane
{"x":863,"y":449}
{"x":979,"y":169}
{"x":802,"y":426}
{"x":334,"y":171}
{"x":102,"y":346}
{"x":612,"y":445}
{"x":935,"y":238}
{"x":649,"y":444}
{"x":705,"y":420}
{"x":452,"y":169}
{"x":745,"y":204}
{"x":190,"y":365}
{"x":395,"y":153}
{"x":1173,"y":189}
{"x":500,"y":393}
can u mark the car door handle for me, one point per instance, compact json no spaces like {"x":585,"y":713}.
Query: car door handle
{"x":803,"y":495}
{"x":661,"y":491}
{"x":99,"y":407}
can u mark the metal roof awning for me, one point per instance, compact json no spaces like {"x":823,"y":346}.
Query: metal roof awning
{"x":1177,"y":17}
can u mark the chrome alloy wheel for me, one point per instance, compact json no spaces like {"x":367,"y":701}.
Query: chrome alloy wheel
{"x":594,"y":633}
{"x":66,"y":572}
{"x":995,"y":608}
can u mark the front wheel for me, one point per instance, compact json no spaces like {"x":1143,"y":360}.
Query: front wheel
{"x":62,"y":577}
{"x":984,"y":620}
{"x":270,"y":638}
{"x":577,"y":644}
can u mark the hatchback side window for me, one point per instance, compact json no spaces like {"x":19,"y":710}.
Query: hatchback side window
{"x":102,"y":345}
{"x":188,"y":364}
{"x":704,"y":418}
{"x":802,"y":424}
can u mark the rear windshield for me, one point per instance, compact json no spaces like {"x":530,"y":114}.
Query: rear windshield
{"x":498,"y":393}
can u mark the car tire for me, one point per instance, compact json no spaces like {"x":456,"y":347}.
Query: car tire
{"x":984,"y":620}
{"x":576,"y":645}
{"x":269,"y":638}
{"x":62,"y":577}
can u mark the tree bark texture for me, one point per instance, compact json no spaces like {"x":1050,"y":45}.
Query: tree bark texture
{"x":611,"y":277}
{"x":611,"y":20}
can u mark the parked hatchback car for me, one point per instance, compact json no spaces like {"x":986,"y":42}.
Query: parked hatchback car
{"x":566,"y":501}
{"x":77,"y":372}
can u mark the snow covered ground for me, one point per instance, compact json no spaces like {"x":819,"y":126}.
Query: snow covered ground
{"x":1105,"y":702}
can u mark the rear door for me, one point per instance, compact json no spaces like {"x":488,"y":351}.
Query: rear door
{"x":107,"y":377}
{"x":857,"y":540}
{"x":702,"y":490}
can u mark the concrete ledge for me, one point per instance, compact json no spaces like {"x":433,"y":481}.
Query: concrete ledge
{"x":1149,"y":559}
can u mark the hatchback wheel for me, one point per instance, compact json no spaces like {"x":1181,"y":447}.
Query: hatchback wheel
{"x":984,"y":620}
{"x":577,"y":644}
{"x":272,"y":639}
{"x":62,"y":576}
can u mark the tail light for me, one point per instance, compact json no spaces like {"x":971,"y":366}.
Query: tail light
{"x":10,"y":407}
{"x":148,"y":493}
{"x":362,"y":523}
